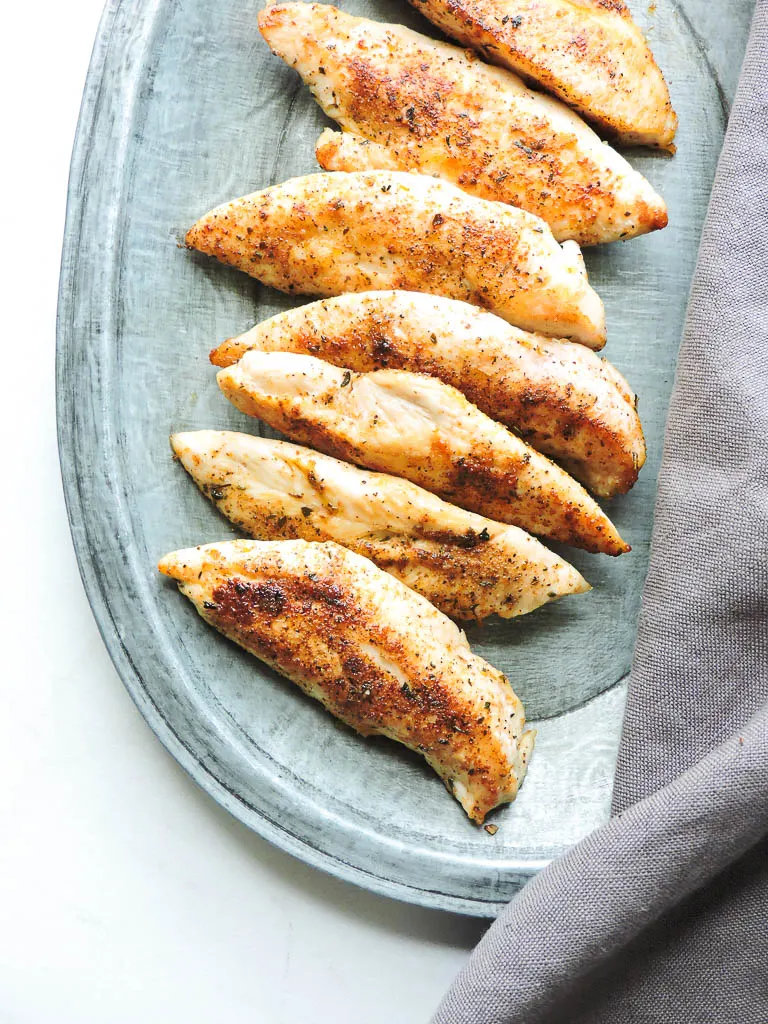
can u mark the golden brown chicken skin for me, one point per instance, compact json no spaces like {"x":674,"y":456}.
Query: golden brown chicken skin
{"x":589,"y":53}
{"x":410,"y":103}
{"x":376,"y":654}
{"x":564,"y":400}
{"x":326,"y":234}
{"x":416,"y":427}
{"x":467,"y":566}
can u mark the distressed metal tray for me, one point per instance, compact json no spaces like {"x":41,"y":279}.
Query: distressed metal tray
{"x":184,"y":108}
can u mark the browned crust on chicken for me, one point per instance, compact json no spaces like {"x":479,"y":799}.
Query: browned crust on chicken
{"x":589,"y":53}
{"x":415,"y":104}
{"x":426,"y":431}
{"x":588,"y":213}
{"x":561,"y":398}
{"x":326,"y":234}
{"x":376,"y":654}
{"x":467,"y":566}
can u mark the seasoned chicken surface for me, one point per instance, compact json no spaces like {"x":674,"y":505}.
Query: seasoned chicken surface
{"x":426,"y":431}
{"x":331,"y":233}
{"x":414,"y":104}
{"x":467,"y":566}
{"x":374,"y":653}
{"x":561,"y":398}
{"x":590,"y":53}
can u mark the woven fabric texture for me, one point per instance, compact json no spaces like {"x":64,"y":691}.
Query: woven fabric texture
{"x":660,"y":916}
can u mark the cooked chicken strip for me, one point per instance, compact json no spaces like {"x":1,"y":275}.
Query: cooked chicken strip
{"x":374,"y":653}
{"x":561,"y":398}
{"x":345,"y":151}
{"x":426,"y":431}
{"x":590,"y":214}
{"x":431,"y":107}
{"x":590,"y":53}
{"x":467,"y":566}
{"x":331,"y":233}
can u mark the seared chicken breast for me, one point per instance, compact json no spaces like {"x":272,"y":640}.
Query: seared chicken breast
{"x":414,"y":104}
{"x":331,"y":233}
{"x":467,"y":566}
{"x":421,"y":429}
{"x":561,"y":398}
{"x":373,"y":652}
{"x":590,"y":53}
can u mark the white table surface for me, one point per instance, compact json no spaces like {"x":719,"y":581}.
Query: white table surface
{"x":126,"y":894}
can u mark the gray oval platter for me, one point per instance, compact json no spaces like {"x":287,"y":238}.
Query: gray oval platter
{"x":184,"y":108}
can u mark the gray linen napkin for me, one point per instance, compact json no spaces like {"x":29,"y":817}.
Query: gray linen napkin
{"x":661,"y":916}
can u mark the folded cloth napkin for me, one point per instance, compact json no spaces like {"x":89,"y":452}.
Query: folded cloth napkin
{"x":661,"y":917}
